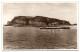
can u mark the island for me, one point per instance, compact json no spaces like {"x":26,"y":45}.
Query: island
{"x":36,"y":21}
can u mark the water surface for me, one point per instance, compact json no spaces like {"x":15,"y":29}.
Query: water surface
{"x":36,"y":38}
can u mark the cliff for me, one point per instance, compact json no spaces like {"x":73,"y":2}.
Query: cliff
{"x":36,"y":21}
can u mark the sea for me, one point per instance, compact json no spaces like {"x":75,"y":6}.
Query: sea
{"x":35,"y":38}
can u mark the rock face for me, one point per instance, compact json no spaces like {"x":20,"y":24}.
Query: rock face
{"x":36,"y":21}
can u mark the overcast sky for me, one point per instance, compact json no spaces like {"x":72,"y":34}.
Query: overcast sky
{"x":63,"y":11}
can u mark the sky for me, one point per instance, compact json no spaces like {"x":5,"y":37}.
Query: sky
{"x":63,"y":11}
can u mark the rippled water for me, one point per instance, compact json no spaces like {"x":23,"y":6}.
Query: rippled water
{"x":36,"y":38}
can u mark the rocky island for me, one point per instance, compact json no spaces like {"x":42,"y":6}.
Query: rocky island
{"x":37,"y":21}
